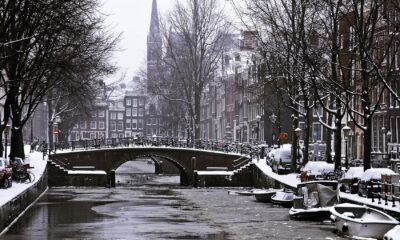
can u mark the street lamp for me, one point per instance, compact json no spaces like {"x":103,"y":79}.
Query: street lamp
{"x":258,"y":118}
{"x":6,"y":132}
{"x":298,"y":133}
{"x":389,"y":136}
{"x":383,"y":138}
{"x":272,"y":118}
{"x":346,"y":131}
{"x":241,"y":131}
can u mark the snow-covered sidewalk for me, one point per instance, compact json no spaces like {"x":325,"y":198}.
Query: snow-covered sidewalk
{"x":289,"y":179}
{"x":39,"y":165}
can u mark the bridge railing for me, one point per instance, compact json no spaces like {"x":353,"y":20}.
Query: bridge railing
{"x":100,"y":143}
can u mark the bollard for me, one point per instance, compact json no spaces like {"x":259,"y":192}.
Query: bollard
{"x":373,"y":199}
{"x":386,"y":199}
{"x":393,"y":201}
{"x":379,"y":198}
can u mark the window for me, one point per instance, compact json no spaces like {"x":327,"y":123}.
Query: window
{"x":301,"y":107}
{"x":128,"y":102}
{"x":120,"y":116}
{"x":113,"y":125}
{"x":94,"y":114}
{"x":148,"y":131}
{"x":134,"y":112}
{"x":317,"y":132}
{"x":101,"y":125}
{"x":92,"y":135}
{"x":128,"y":123}
{"x":93,"y":125}
{"x":128,"y":112}
{"x":148,"y":121}
{"x":76,"y":126}
{"x":134,"y":123}
{"x":113,"y":116}
{"x":101,"y":135}
{"x":101,"y":113}
{"x":141,"y":102}
{"x":317,"y":111}
{"x":120,"y":126}
{"x":127,"y":134}
{"x":140,"y":124}
{"x":154,"y":121}
{"x":82,"y":125}
{"x":135,"y":102}
{"x":141,"y":112}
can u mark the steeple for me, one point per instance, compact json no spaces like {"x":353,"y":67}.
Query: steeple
{"x":154,"y":24}
{"x":154,"y":37}
{"x":154,"y":47}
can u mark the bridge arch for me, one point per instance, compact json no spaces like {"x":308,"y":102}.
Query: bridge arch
{"x":111,"y":158}
{"x":184,"y":174}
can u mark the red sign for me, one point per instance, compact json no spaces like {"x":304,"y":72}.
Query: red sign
{"x":283,"y":136}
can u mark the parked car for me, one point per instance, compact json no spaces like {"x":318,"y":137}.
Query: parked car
{"x":370,"y":181}
{"x":281,"y":160}
{"x":5,"y":173}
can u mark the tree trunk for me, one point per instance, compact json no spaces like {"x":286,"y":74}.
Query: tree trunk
{"x":338,"y":137}
{"x":294,"y":144}
{"x":17,"y":142}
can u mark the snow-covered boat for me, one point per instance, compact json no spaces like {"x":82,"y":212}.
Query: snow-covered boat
{"x":241,"y":192}
{"x":284,"y":199}
{"x":264,"y":195}
{"x":393,"y":234}
{"x":361,"y":221}
{"x":313,"y":200}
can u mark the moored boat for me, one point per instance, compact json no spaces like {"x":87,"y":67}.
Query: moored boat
{"x":284,"y":199}
{"x":313,"y":200}
{"x":264,"y":195}
{"x":361,"y":221}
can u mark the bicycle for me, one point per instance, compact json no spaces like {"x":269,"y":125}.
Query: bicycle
{"x":24,"y":176}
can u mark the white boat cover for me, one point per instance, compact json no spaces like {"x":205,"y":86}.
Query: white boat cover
{"x":318,"y":195}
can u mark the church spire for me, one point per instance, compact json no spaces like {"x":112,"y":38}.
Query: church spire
{"x":154,"y":24}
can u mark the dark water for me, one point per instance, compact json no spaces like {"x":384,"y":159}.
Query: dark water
{"x":145,"y":206}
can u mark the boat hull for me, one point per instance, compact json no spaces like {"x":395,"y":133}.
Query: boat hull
{"x":361,"y":221}
{"x":265,"y":197}
{"x":313,"y":214}
{"x":364,"y":230}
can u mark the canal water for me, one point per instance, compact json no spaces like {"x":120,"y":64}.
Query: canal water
{"x":147,"y":206}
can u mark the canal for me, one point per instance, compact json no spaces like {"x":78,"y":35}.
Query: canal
{"x":147,"y":206}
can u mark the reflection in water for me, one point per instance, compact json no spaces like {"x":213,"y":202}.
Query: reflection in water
{"x":160,"y":209}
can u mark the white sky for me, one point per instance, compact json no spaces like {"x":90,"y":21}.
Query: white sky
{"x":132,"y":18}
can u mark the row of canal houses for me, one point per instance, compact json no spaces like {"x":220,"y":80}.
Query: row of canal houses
{"x":236,"y":109}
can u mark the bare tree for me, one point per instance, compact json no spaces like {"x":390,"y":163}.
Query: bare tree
{"x":194,"y":36}
{"x":45,"y":36}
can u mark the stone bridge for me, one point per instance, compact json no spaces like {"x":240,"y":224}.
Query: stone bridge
{"x":186,"y":160}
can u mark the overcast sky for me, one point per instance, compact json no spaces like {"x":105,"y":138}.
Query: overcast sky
{"x":132,"y":18}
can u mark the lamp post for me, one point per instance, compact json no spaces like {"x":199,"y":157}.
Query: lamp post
{"x":57,"y":121}
{"x":389,"y":136}
{"x":346,"y":131}
{"x":298,"y":133}
{"x":258,"y":118}
{"x":6,"y":132}
{"x":383,"y":140}
{"x":272,"y":118}
{"x":241,"y":131}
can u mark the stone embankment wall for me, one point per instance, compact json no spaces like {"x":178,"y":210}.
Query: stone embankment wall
{"x":59,"y":177}
{"x":11,"y":210}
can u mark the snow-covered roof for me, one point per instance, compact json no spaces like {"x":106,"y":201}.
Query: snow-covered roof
{"x":375,"y":173}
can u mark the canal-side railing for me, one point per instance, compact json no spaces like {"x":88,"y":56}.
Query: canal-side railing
{"x":102,"y":143}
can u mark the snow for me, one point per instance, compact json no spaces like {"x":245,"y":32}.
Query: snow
{"x":93,"y":172}
{"x":393,"y":234}
{"x":375,"y":174}
{"x":288,"y":179}
{"x":368,"y":202}
{"x":39,"y":166}
{"x":212,"y":173}
{"x":354,"y":172}
{"x":318,"y":168}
